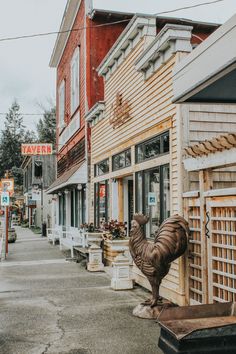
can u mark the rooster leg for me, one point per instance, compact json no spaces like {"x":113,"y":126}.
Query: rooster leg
{"x":156,"y":299}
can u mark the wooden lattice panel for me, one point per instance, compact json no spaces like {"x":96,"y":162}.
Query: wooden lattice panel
{"x":195,"y":262}
{"x":222,"y":249}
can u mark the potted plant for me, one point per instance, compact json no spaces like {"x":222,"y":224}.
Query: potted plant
{"x":115,"y":239}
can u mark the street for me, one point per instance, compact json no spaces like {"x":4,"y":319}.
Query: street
{"x":50,"y":305}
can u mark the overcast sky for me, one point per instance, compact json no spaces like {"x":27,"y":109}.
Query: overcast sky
{"x":24,"y":71}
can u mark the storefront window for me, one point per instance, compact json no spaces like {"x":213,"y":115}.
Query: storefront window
{"x":101,"y":168}
{"x":77,"y":207}
{"x":62,"y":210}
{"x":153,"y":196}
{"x":101,"y":202}
{"x":152,"y":148}
{"x":121,"y":160}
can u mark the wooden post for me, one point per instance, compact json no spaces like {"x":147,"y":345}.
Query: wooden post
{"x":120,"y":200}
{"x":205,"y":184}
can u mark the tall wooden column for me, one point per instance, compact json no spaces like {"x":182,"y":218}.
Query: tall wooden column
{"x":120,"y":200}
{"x":205,"y":184}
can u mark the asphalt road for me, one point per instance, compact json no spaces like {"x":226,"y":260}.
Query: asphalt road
{"x":50,"y":305}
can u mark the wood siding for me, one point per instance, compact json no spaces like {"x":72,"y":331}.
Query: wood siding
{"x":204,"y":122}
{"x":152,"y":112}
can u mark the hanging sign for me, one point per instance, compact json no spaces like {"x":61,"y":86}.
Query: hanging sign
{"x":5,"y":199}
{"x":36,"y":194}
{"x":152,"y":199}
{"x":7,"y":185}
{"x":36,"y":149}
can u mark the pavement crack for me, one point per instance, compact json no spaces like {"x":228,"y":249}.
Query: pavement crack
{"x":46,"y":349}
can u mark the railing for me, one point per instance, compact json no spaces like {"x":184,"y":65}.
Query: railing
{"x":70,"y":130}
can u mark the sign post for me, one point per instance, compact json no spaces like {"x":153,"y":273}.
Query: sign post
{"x":5,"y":201}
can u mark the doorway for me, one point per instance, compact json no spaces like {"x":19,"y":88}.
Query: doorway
{"x":128,"y":205}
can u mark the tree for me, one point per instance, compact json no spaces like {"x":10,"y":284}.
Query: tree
{"x":46,"y":127}
{"x":11,"y":138}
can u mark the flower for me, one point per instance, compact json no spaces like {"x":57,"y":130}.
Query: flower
{"x":113,"y":229}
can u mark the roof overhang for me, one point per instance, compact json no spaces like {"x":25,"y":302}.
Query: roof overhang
{"x":76,"y":175}
{"x":208,"y":74}
{"x":138,"y":27}
{"x":68,"y":20}
{"x":96,"y":113}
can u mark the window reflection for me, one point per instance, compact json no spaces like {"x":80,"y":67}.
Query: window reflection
{"x":152,"y":148}
{"x":121,"y":160}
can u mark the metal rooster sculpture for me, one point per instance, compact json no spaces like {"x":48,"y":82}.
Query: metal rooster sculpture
{"x":154,"y":259}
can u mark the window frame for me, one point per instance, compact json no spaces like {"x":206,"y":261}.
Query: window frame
{"x":144,"y":143}
{"x":61,"y":104}
{"x":97,"y":202}
{"x":75,"y":80}
{"x":120,"y":153}
{"x":96,"y":174}
{"x":161,"y":190}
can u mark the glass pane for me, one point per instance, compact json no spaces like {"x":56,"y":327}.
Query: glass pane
{"x":139,"y":192}
{"x":152,"y":148}
{"x":139,"y":153}
{"x":80,"y":207}
{"x":128,"y":158}
{"x":166,"y":192}
{"x":102,"y":202}
{"x":166,"y":142}
{"x":76,"y":208}
{"x":72,"y":208}
{"x":152,"y":185}
{"x":103,"y":167}
{"x":64,"y":210}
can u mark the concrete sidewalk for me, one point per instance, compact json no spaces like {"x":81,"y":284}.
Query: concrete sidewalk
{"x":49,"y":305}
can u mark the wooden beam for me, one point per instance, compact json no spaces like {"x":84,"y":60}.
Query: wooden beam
{"x":120,"y":200}
{"x":218,"y":159}
{"x":205,"y":184}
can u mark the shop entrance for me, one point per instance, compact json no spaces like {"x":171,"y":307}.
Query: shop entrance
{"x":128,"y":201}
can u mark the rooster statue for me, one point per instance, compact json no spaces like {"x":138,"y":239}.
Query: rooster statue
{"x":154,"y":259}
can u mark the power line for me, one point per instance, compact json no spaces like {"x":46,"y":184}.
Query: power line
{"x":189,"y":7}
{"x":103,"y":24}
{"x":60,"y":32}
{"x":24,"y":114}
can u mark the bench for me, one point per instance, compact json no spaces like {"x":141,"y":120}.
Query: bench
{"x":54,"y":235}
{"x":70,"y":239}
{"x":91,"y":237}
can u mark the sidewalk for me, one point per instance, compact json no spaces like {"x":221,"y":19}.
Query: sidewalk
{"x":49,"y":305}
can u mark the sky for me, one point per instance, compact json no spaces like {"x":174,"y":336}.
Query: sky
{"x":24,"y":64}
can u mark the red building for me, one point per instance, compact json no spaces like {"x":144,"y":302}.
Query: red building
{"x":85,"y":37}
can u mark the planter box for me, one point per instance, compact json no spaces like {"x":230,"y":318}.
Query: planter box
{"x":113,"y":248}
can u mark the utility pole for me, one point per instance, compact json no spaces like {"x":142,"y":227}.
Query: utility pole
{"x":42,"y":202}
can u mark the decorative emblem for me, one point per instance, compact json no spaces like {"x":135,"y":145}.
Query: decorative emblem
{"x":120,"y":112}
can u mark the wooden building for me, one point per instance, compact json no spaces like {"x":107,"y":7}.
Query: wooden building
{"x":39,"y":172}
{"x":138,"y":133}
{"x":84,"y":39}
{"x":210,"y":204}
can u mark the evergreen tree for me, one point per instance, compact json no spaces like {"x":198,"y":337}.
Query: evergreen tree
{"x":46,"y":127}
{"x":12,"y":136}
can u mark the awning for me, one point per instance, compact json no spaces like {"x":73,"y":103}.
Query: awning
{"x":208,"y":73}
{"x":77,"y":174}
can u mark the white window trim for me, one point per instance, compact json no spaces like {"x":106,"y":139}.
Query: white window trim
{"x":61,"y":104}
{"x":75,"y":89}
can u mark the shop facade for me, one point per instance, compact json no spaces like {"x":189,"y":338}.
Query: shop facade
{"x":75,"y":55}
{"x":136,"y":135}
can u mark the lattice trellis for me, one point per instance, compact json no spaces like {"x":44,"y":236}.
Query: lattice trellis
{"x":222,"y":249}
{"x":195,"y":261}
